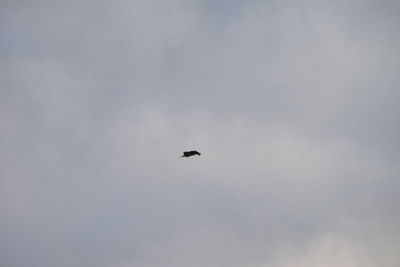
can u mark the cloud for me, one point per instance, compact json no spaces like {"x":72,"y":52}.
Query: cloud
{"x":292,"y":106}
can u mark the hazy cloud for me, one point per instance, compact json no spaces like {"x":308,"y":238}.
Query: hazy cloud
{"x":293,"y":106}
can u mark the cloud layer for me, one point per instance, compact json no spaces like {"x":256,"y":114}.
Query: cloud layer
{"x":293,"y":106}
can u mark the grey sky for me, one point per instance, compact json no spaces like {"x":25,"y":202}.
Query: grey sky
{"x":293,"y":104}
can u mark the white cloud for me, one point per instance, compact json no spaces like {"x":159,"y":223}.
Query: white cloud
{"x":293,"y":107}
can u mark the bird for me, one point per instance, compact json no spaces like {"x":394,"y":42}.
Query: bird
{"x":187,"y":154}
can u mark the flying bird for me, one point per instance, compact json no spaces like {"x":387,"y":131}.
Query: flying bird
{"x":187,"y":154}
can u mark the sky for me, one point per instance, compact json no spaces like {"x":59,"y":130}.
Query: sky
{"x":293,"y":105}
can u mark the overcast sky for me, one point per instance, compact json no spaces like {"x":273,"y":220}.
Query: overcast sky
{"x":294,"y":106}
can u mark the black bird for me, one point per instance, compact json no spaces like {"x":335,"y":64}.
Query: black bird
{"x":187,"y":154}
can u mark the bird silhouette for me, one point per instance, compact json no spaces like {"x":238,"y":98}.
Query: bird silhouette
{"x":187,"y":154}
